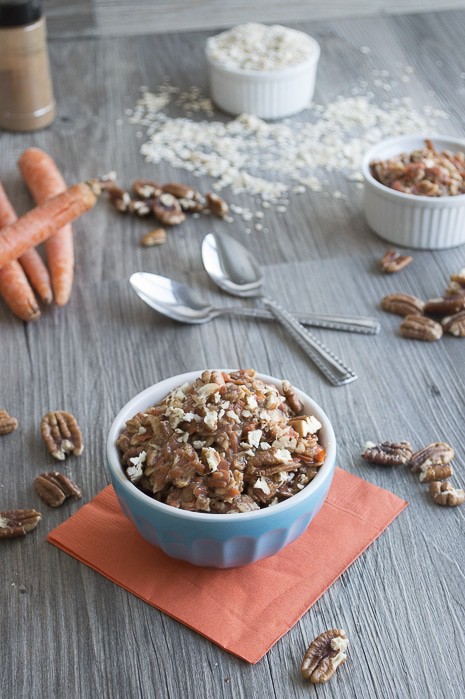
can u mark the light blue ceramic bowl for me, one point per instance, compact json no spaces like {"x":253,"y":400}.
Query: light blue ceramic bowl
{"x":212,"y":540}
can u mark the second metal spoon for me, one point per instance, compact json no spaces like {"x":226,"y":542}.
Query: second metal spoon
{"x":186,"y":305}
{"x":235,"y":270}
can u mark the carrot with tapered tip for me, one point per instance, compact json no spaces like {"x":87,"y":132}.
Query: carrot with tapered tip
{"x":44,"y":180}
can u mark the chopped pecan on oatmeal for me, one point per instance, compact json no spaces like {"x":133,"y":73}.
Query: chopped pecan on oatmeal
{"x":226,"y":443}
{"x":425,"y":172}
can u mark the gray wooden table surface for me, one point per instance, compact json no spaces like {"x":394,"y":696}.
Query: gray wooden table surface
{"x":68,"y":632}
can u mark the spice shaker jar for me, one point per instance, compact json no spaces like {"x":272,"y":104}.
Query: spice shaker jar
{"x":26,"y":92}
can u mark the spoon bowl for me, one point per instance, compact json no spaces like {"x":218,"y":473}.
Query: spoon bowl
{"x":231,"y":266}
{"x":171,"y":298}
{"x":235,"y":270}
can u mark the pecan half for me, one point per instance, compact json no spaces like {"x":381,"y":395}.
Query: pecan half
{"x":324,"y":655}
{"x":217,"y":205}
{"x":445,"y":305}
{"x":392,"y":261}
{"x":455,"y":324}
{"x":421,"y":328}
{"x":54,"y":488}
{"x":7,"y":423}
{"x":445,"y":494}
{"x":167,"y":210}
{"x":60,"y":432}
{"x":388,"y":453}
{"x":155,"y":237}
{"x":18,"y":522}
{"x":146,"y":189}
{"x":436,"y":472}
{"x":437,"y":453}
{"x":402,"y":304}
{"x":180,"y":191}
{"x":293,"y":400}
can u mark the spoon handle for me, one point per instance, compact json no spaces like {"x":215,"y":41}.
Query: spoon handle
{"x":363,"y":325}
{"x":330,"y":366}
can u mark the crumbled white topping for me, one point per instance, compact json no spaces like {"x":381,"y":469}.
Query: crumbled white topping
{"x":254,"y":437}
{"x":285,"y":442}
{"x":212,"y":458}
{"x":175,"y":415}
{"x":265,"y":446}
{"x":142,"y":430}
{"x":234,"y":416}
{"x":211,"y":419}
{"x":178,"y":395}
{"x":283,"y":455}
{"x":135,"y":471}
{"x":251,"y":402}
{"x":262,"y":485}
{"x":254,"y":46}
{"x":313,"y":424}
{"x":207,"y":390}
{"x":198,"y":443}
{"x":246,"y":413}
{"x":309,"y":425}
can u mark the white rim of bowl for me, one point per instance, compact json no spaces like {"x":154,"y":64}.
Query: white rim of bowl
{"x":128,"y":411}
{"x":281,"y":72}
{"x":388,"y":191}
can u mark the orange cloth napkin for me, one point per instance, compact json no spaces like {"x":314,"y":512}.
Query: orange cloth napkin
{"x":243,"y":610}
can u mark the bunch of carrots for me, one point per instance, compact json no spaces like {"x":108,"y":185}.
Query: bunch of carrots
{"x":22,"y":269}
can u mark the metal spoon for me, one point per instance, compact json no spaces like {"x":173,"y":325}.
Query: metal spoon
{"x":184,"y":304}
{"x":233,"y":268}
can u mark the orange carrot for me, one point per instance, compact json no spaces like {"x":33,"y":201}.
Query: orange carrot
{"x":14,"y":286}
{"x":37,"y":273}
{"x":40,"y":223}
{"x":31,"y":261}
{"x":17,"y":293}
{"x":44,"y":180}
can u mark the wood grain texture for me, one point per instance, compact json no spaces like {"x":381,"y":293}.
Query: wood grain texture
{"x":68,"y":632}
{"x":120,"y":17}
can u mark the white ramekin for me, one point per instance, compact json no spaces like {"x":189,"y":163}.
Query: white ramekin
{"x":409,"y":220}
{"x":269,"y":94}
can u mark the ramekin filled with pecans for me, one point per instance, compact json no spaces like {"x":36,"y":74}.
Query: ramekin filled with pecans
{"x":221,"y":468}
{"x":415,"y":191}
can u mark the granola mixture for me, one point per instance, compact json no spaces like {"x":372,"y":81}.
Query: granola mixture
{"x":226,"y":443}
{"x":425,"y":171}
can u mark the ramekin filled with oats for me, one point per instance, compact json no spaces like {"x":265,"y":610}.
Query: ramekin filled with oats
{"x":268,"y":71}
{"x":221,"y":468}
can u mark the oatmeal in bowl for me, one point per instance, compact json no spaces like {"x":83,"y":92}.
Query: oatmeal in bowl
{"x":221,"y":468}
